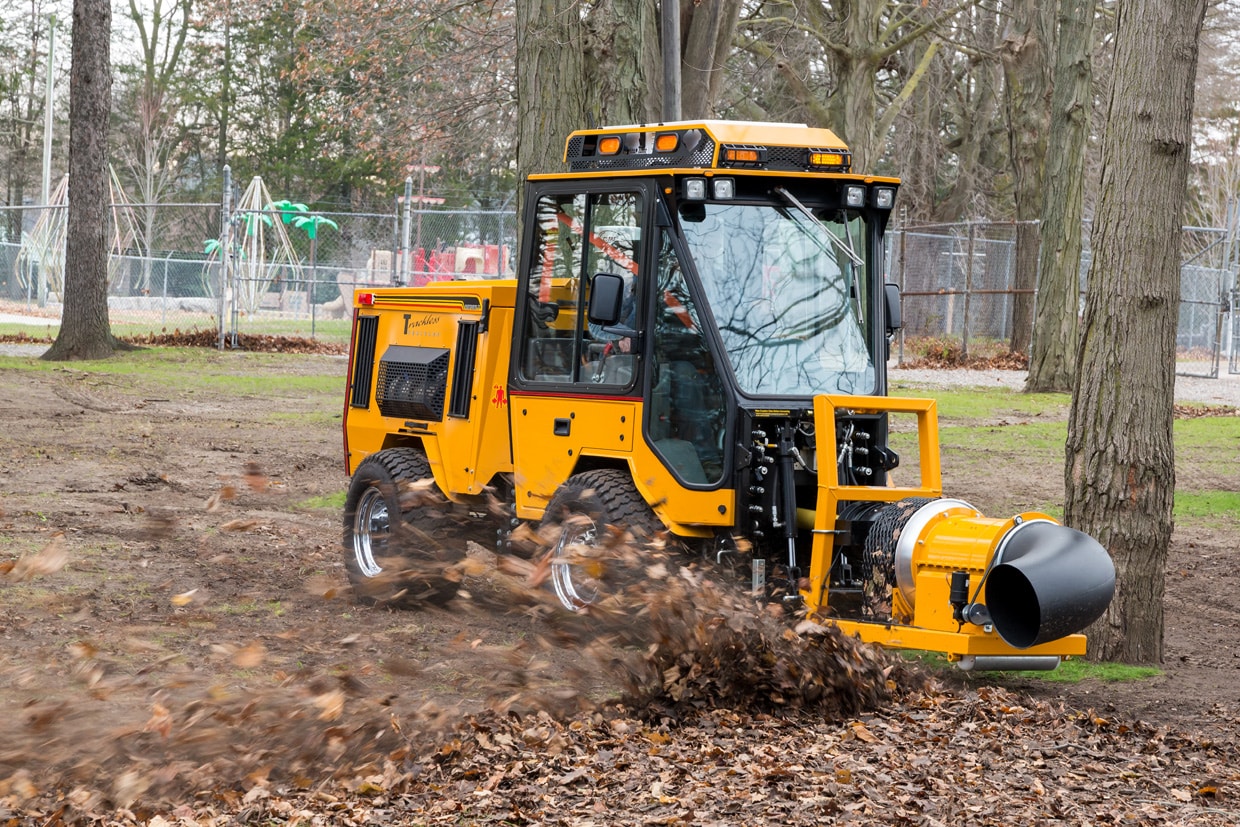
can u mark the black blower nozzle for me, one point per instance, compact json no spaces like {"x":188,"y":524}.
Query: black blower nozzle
{"x":1048,"y":581}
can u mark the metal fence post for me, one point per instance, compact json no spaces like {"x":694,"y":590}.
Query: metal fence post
{"x":903,"y":273}
{"x":225,"y":248}
{"x":406,"y":229}
{"x":968,"y":290}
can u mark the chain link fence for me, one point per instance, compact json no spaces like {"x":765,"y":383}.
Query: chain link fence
{"x":271,"y":271}
{"x":958,"y":283}
{"x":285,"y":270}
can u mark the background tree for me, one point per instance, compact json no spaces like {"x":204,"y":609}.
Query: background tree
{"x":836,"y":60}
{"x":23,"y":64}
{"x":1120,"y":472}
{"x":84,"y":329}
{"x":706,"y":33}
{"x":149,"y":133}
{"x":1052,"y":353}
{"x":1027,"y":72}
{"x":875,"y":71}
{"x":1214,"y":191}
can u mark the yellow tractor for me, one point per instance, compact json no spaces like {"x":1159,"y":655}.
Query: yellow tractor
{"x":696,"y":341}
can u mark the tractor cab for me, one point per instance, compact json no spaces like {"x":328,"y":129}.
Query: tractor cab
{"x":699,"y":284}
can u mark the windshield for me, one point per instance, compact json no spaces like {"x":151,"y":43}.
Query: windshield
{"x":787,"y":295}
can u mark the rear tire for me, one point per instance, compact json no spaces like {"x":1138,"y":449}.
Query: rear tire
{"x":583,"y":569}
{"x":394,"y":557}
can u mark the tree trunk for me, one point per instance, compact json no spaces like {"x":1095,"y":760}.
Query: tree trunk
{"x":622,"y":65}
{"x":84,"y":330}
{"x":1025,"y":67}
{"x":857,"y":66}
{"x":706,"y":30}
{"x":1119,"y":470}
{"x":551,"y":91}
{"x":574,"y":70}
{"x":1056,"y":327}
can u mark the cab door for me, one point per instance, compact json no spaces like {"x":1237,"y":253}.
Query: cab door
{"x":575,"y":387}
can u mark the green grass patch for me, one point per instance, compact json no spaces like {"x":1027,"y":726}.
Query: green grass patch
{"x":1209,"y":432}
{"x":1207,"y":504}
{"x":1072,"y":670}
{"x":330,"y":502}
{"x":316,"y":417}
{"x":328,"y":330}
{"x":1075,"y":671}
{"x":197,"y":368}
{"x":967,"y":404}
{"x":1023,"y":438}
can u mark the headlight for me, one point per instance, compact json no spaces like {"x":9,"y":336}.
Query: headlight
{"x":854,"y":196}
{"x":884,"y":197}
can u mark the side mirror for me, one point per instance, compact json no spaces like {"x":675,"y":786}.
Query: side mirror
{"x":891,"y":295}
{"x":606,"y":299}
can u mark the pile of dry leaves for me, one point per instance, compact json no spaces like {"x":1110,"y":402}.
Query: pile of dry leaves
{"x":730,"y":714}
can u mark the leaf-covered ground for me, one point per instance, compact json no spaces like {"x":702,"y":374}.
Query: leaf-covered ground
{"x":180,"y":648}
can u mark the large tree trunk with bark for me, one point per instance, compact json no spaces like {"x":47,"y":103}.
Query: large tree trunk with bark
{"x":706,"y":31}
{"x":1119,"y":471}
{"x":1052,"y":354}
{"x":1027,"y":71}
{"x":84,"y":329}
{"x":551,"y":90}
{"x":579,"y":68}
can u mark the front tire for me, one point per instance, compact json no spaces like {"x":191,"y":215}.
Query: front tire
{"x":584,"y":567}
{"x":394,"y":556}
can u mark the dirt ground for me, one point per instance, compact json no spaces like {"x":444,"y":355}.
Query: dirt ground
{"x":172,"y":540}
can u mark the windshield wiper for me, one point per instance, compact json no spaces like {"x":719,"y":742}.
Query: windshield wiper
{"x":846,"y":249}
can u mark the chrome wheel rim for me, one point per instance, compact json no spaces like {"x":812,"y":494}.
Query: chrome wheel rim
{"x":573,"y":586}
{"x":371,"y":529}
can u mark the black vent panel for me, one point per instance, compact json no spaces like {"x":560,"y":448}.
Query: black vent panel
{"x":363,"y":360}
{"x":412,"y":382}
{"x":463,"y":372}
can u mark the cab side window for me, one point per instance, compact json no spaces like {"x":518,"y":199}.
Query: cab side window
{"x":578,"y":236}
{"x":551,"y":297}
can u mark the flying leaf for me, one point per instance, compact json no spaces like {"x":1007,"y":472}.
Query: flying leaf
{"x":48,"y":560}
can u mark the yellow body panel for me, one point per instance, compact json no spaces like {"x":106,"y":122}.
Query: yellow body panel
{"x":465,"y":453}
{"x":603,"y":427}
{"x":954,"y":644}
{"x":552,"y":432}
{"x":736,"y":132}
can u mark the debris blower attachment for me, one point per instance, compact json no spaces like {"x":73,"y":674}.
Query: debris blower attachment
{"x":939,"y":576}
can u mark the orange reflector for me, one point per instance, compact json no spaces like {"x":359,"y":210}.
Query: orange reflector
{"x":667,"y":142}
{"x":609,"y":145}
{"x":366,"y":299}
{"x":826,"y":159}
{"x":744,"y":156}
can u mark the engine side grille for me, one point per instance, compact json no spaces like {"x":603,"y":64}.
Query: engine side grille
{"x":363,"y":360}
{"x":463,"y":371}
{"x":412,"y":382}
